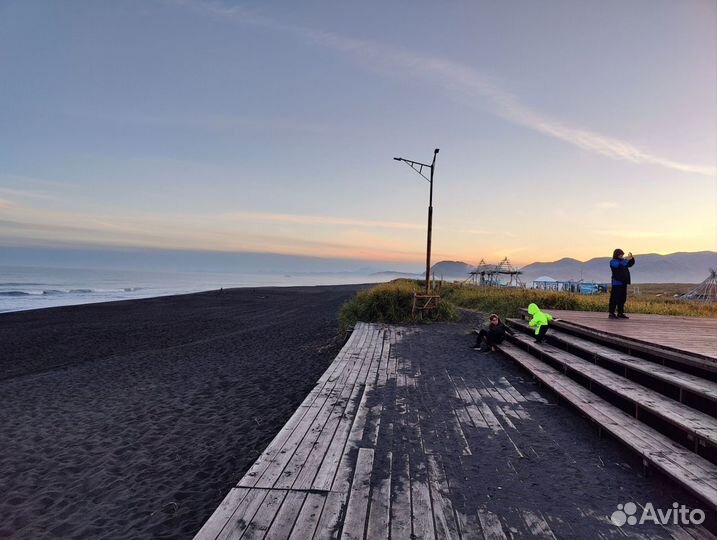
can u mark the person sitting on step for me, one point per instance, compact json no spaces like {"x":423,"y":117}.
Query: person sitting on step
{"x":493,"y":333}
{"x":539,"y":321}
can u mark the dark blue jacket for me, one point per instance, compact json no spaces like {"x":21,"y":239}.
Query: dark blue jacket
{"x":620,"y":272}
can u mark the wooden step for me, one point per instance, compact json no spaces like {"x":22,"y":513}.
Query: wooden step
{"x":687,"y":469}
{"x":634,"y":344}
{"x":685,"y":383}
{"x":696,"y":424}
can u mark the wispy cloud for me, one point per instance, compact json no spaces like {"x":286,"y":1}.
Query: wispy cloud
{"x":302,"y":219}
{"x":639,"y":235}
{"x":257,"y":232}
{"x":25,"y":180}
{"x":462,"y":81}
{"x":605,"y":205}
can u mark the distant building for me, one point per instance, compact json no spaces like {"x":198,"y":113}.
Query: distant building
{"x":546,"y":283}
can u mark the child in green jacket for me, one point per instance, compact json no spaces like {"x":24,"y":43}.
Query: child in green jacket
{"x":539,"y":321}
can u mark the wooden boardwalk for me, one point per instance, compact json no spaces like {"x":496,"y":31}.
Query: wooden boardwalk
{"x":694,"y":335}
{"x":381,"y":449}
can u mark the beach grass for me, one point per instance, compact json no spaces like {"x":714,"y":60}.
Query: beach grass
{"x":389,"y":303}
{"x":506,"y":302}
{"x":392,"y":302}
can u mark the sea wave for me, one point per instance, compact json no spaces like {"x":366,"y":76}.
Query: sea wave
{"x":48,"y":292}
{"x":20,"y":293}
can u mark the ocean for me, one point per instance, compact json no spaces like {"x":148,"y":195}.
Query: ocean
{"x":23,"y":288}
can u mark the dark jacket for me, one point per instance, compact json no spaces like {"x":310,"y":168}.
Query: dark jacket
{"x":496,"y":332}
{"x":620,"y":271}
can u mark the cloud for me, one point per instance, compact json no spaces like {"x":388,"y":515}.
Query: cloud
{"x":338,"y":237}
{"x":605,"y":205}
{"x":640,"y":235}
{"x":301,"y":219}
{"x":460,"y":80}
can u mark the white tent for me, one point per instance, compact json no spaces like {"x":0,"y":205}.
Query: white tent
{"x":705,"y":291}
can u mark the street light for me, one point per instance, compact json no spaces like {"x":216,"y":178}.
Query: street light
{"x":418,"y":167}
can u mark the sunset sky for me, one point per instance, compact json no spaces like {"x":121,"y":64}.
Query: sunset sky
{"x":566,"y":128}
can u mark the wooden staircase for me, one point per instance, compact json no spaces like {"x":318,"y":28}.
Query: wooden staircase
{"x":661,"y":412}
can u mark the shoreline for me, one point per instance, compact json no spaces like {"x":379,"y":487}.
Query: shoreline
{"x":133,"y":418}
{"x":136,"y":294}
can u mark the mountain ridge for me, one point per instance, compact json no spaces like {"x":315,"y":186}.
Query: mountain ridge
{"x":678,"y":267}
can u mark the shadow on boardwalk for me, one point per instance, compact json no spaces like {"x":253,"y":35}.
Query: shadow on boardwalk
{"x":411,"y":434}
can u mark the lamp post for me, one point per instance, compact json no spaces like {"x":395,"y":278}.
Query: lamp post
{"x":418,"y":167}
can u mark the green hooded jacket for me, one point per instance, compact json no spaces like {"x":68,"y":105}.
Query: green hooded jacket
{"x":539,"y":318}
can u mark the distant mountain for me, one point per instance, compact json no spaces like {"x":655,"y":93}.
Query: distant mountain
{"x":649,"y":268}
{"x":451,"y":270}
{"x":441,"y":270}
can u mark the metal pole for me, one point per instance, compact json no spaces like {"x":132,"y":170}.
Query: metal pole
{"x":430,"y":226}
{"x":417,"y":166}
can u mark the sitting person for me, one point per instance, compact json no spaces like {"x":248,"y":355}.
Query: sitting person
{"x":539,"y":321}
{"x":493,"y":333}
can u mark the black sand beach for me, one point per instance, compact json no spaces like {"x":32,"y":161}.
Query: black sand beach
{"x":133,"y":419}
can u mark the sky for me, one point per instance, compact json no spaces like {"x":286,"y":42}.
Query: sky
{"x":565,"y":128}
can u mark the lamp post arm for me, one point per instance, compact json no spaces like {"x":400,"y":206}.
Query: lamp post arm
{"x":417,"y":166}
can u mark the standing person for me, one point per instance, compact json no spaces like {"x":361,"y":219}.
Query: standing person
{"x":494,"y":333}
{"x":620,"y":266}
{"x":539,"y":321}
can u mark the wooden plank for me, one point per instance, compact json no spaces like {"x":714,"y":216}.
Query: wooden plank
{"x":330,"y":522}
{"x":537,"y":525}
{"x":354,"y":343}
{"x":679,"y":466}
{"x":471,"y":409}
{"x":318,"y":451}
{"x":490,"y":419}
{"x":303,"y":466}
{"x":379,"y":510}
{"x":459,"y":418}
{"x":469,"y":526}
{"x":690,"y":340}
{"x":238,"y":522}
{"x":315,"y":421}
{"x":327,"y":469}
{"x":342,"y":479}
{"x":374,"y":414}
{"x":505,"y":383}
{"x":226,"y":509}
{"x":502,"y":411}
{"x":443,"y":513}
{"x":308,"y":517}
{"x":356,"y":512}
{"x":401,"y":498}
{"x":694,"y":384}
{"x":286,"y":477}
{"x":678,"y":414}
{"x":283,"y":524}
{"x":329,"y":465}
{"x":282,"y":447}
{"x":261,"y":521}
{"x":492,"y":528}
{"x":507,"y":392}
{"x":421,"y":511}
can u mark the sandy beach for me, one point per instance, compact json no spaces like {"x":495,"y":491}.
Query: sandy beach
{"x":133,"y":419}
